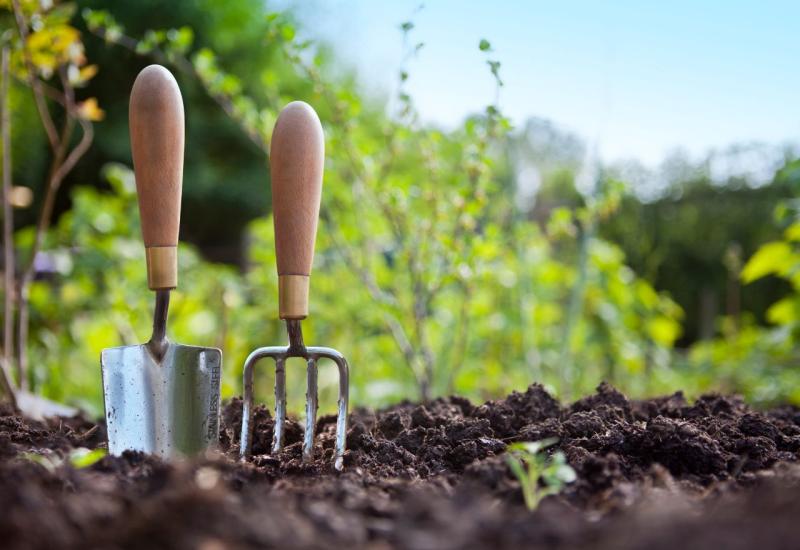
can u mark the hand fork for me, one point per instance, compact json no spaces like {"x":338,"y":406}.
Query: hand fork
{"x":297,"y":156}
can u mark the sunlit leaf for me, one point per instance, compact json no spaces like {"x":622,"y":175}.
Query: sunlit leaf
{"x":83,"y":458}
{"x":784,"y":311}
{"x":792,"y":232}
{"x":664,"y":330}
{"x":771,"y":259}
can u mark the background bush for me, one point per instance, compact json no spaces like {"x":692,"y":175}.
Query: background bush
{"x":433,"y":274}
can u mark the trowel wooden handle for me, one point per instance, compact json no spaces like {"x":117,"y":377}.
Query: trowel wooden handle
{"x":297,"y":156}
{"x":157,"y":134}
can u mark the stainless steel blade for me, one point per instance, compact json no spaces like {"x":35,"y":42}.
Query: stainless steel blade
{"x":168,"y":407}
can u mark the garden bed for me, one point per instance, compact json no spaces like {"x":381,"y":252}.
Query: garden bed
{"x":658,"y":474}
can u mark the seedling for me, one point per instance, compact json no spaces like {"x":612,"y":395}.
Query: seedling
{"x":538,"y":474}
{"x":78,"y":458}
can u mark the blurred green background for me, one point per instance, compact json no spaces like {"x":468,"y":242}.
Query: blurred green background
{"x":440,"y":267}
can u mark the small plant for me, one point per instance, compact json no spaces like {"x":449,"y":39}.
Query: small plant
{"x":538,"y":474}
{"x":78,"y":458}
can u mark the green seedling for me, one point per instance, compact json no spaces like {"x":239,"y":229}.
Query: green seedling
{"x":538,"y":474}
{"x":77,"y":458}
{"x":83,"y":458}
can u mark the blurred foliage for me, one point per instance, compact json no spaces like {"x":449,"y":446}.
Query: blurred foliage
{"x":421,"y":257}
{"x":227,"y":184}
{"x":682,"y":239}
{"x":515,"y":317}
{"x":55,"y":51}
{"x":762,"y":363}
{"x":47,"y":58}
{"x":434,"y":271}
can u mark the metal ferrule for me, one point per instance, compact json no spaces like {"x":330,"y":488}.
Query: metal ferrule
{"x":162,"y":267}
{"x":293,"y":296}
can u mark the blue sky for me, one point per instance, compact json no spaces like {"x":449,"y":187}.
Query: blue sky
{"x":639,"y":78}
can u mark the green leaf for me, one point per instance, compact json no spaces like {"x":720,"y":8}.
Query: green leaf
{"x":49,"y":463}
{"x":773,"y":258}
{"x":83,"y":458}
{"x":484,"y":45}
{"x":181,"y":39}
{"x":516,"y":468}
{"x":664,"y":330}
{"x":567,"y":474}
{"x":783,"y":312}
{"x":287,"y":32}
{"x":792,"y":232}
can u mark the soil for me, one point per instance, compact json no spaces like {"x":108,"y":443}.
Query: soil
{"x":653,"y":474}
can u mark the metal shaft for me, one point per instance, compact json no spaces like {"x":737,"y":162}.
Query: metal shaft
{"x":296,"y":346}
{"x":158,"y":341}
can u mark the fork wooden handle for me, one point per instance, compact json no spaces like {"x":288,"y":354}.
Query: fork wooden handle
{"x":157,"y":135}
{"x":297,"y":156}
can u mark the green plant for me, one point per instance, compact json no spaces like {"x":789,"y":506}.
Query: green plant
{"x":762,"y":363}
{"x":44,"y":53}
{"x":441,"y":272}
{"x":99,"y":296}
{"x":428,"y":273}
{"x":78,"y":458}
{"x":538,"y":475}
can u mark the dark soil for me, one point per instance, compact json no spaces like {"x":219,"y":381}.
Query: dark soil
{"x":651,"y":474}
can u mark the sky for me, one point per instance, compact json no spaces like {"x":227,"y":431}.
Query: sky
{"x":637,"y":80}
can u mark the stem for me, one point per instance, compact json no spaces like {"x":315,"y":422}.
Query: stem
{"x":30,"y":269}
{"x":61,"y":165}
{"x":574,"y":310}
{"x":8,"y":238}
{"x":22,"y":337}
{"x":421,"y":317}
{"x":588,"y":229}
{"x":460,"y":340}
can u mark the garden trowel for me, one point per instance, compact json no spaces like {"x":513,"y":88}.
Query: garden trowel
{"x":160,"y":397}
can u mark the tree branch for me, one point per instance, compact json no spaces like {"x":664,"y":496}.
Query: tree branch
{"x":8,"y":237}
{"x":63,"y":162}
{"x":33,"y":79}
{"x":185,"y":65}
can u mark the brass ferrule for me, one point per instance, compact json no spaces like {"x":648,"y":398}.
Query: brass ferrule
{"x":162,"y":267}
{"x":293,"y":296}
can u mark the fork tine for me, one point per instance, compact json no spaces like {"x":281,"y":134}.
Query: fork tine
{"x":341,"y":419}
{"x":344,"y":391}
{"x":246,"y":440}
{"x":280,"y":404}
{"x":311,"y":410}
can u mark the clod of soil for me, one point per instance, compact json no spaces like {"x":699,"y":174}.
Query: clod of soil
{"x":660,"y":473}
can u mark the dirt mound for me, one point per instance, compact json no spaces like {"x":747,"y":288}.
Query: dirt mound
{"x":655,"y":473}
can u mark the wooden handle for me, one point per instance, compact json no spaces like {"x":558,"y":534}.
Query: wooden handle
{"x":157,"y":134}
{"x":297,"y":156}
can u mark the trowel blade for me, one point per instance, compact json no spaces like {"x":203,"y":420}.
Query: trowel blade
{"x":169,"y":407}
